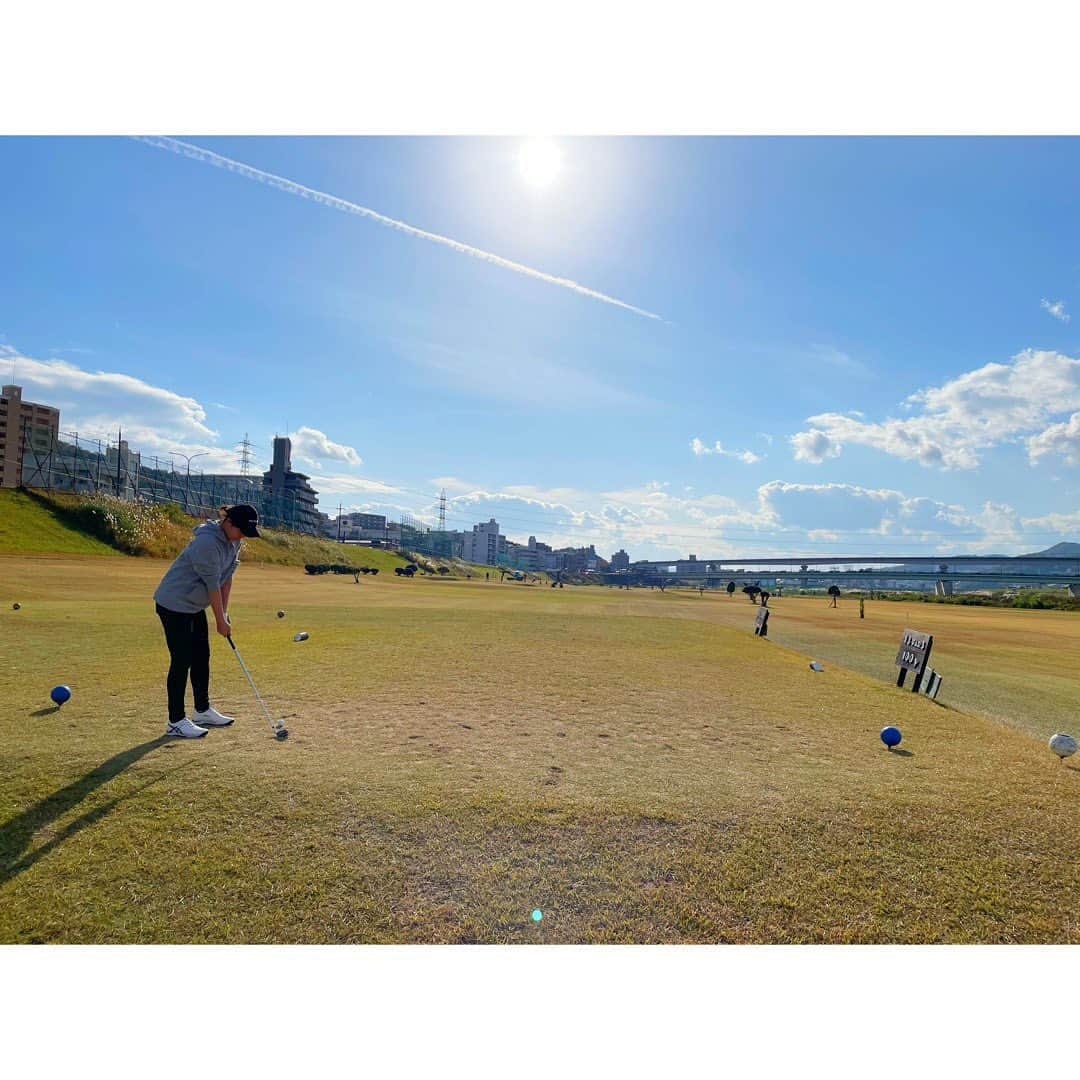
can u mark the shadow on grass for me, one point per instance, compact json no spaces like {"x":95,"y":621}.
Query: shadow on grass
{"x":47,"y":711}
{"x":901,"y":753}
{"x":17,"y":834}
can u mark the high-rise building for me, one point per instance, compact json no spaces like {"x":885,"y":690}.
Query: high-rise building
{"x":484,"y":544}
{"x":620,"y":560}
{"x":24,"y":426}
{"x":290,"y":499}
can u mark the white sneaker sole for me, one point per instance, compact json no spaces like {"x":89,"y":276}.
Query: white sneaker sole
{"x":213,"y":723}
{"x":180,"y":735}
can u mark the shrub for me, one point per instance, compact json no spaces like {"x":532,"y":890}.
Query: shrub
{"x":133,"y":527}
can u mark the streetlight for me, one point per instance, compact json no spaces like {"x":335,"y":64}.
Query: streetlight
{"x":187,"y":483}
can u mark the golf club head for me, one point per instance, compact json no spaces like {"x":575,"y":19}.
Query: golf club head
{"x":282,"y":734}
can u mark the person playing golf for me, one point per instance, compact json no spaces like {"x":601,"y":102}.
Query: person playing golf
{"x":200,"y":577}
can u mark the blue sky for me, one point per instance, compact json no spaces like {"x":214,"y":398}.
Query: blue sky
{"x":875,"y":332}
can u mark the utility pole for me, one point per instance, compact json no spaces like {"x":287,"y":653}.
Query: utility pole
{"x":119,"y":440}
{"x":442,"y":511}
{"x":339,"y":508}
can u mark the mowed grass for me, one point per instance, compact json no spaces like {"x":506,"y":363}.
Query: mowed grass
{"x":1017,"y":666}
{"x":462,"y":753}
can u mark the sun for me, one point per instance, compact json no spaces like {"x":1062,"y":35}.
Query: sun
{"x":540,"y":162}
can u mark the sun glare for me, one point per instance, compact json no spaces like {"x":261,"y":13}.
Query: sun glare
{"x":540,"y":162}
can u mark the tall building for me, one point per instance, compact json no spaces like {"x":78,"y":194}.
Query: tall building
{"x":484,"y":544}
{"x":290,"y":499}
{"x":24,"y":426}
{"x":579,"y":560}
{"x":620,"y":560}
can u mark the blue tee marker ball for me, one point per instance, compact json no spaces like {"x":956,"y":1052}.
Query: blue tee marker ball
{"x":60,"y":694}
{"x":890,"y":736}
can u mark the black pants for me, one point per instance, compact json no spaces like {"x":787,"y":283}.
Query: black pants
{"x":188,"y":638}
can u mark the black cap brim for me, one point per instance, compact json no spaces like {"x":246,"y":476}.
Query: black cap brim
{"x":251,"y":530}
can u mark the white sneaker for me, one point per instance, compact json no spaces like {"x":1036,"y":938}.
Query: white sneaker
{"x":185,"y":729}
{"x":212,"y":718}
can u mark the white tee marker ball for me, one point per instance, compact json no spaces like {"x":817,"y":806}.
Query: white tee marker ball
{"x":816,"y":666}
{"x":1063,"y":745}
{"x":302,"y":636}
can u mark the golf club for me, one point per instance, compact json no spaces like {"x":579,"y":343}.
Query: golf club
{"x":277,"y":726}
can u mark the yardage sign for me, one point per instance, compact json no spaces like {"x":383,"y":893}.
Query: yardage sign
{"x":761,"y":623}
{"x":913,"y":655}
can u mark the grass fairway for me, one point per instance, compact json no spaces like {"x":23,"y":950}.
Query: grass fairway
{"x":1020,"y":667}
{"x":637,"y":765}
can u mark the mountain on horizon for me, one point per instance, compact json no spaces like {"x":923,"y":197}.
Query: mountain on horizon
{"x":1066,"y":549}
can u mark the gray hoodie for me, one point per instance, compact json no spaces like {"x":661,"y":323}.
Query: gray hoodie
{"x":205,"y":564}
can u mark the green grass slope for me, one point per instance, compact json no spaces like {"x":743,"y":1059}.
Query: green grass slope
{"x":30,"y":526}
{"x":38,"y":522}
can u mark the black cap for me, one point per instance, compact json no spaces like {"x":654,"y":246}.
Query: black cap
{"x":245,"y":518}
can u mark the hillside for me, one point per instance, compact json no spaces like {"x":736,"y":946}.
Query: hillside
{"x":1066,"y":550}
{"x":36,"y":522}
{"x":29,"y":526}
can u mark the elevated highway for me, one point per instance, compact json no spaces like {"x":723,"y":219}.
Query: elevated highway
{"x":870,"y":571}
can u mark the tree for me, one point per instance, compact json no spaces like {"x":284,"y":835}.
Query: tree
{"x":731,"y":588}
{"x":751,"y":591}
{"x":834,"y":592}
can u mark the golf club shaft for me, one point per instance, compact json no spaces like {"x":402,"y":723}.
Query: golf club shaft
{"x":255,"y":689}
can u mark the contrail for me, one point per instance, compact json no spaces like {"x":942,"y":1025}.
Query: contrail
{"x":199,"y":154}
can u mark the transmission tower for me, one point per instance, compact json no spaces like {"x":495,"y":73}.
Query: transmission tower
{"x":245,"y":456}
{"x":442,"y":511}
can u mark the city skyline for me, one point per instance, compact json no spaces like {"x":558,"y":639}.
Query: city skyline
{"x":662,"y":345}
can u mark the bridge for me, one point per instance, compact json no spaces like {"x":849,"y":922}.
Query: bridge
{"x":870,"y":571}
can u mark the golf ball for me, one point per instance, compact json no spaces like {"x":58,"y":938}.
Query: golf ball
{"x":15,"y":607}
{"x":281,"y":614}
{"x":890,"y":736}
{"x":1063,"y":745}
{"x":60,"y":694}
{"x":537,"y":915}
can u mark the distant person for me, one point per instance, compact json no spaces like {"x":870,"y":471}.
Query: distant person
{"x":200,"y":577}
{"x":487,"y":575}
{"x":862,"y":607}
{"x":764,"y":598}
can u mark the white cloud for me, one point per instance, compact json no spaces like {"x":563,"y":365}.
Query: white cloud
{"x":312,"y":445}
{"x":338,"y":483}
{"x":1064,"y":524}
{"x":978,"y":410}
{"x":747,"y":457}
{"x":154,"y":420}
{"x":98,"y":404}
{"x":1062,"y":438}
{"x":1055,"y":308}
{"x":814,"y":446}
{"x":653,"y":521}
